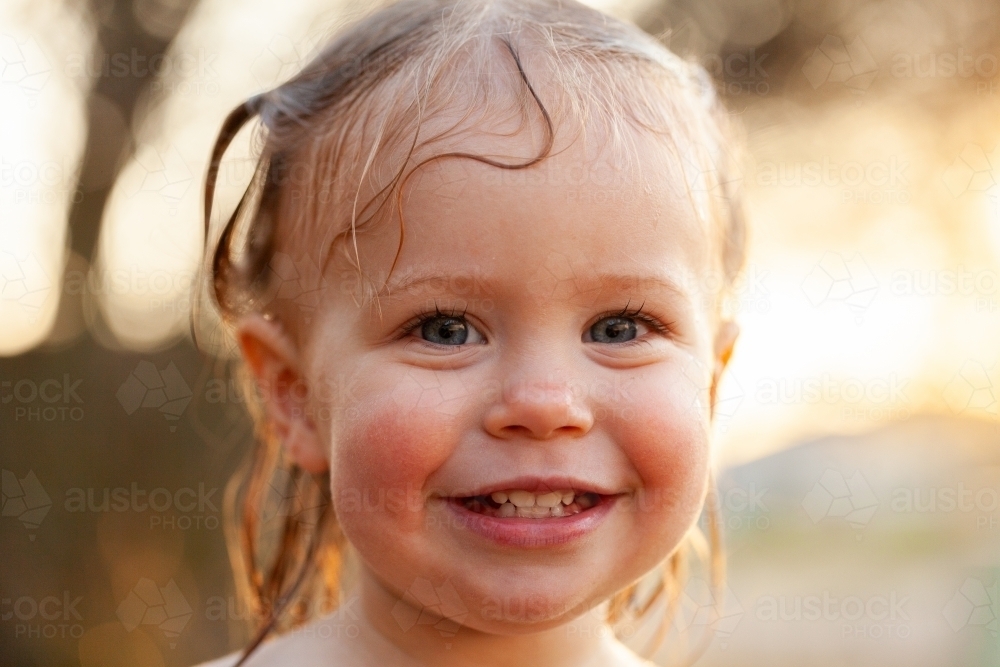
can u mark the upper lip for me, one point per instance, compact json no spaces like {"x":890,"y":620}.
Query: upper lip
{"x":537,"y":484}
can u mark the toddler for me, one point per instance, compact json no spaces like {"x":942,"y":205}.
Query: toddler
{"x":478,"y":280}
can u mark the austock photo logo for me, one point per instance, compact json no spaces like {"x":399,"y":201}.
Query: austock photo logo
{"x":972,"y":390}
{"x":703,"y":610}
{"x":297,"y":281}
{"x":839,"y":497}
{"x":884,"y":181}
{"x":165,"y":173}
{"x":146,"y":387}
{"x":874,"y":617}
{"x":979,"y":287}
{"x":44,"y":617}
{"x":973,"y":170}
{"x":957,"y":63}
{"x":840,"y":280}
{"x":24,"y":281}
{"x":727,"y":401}
{"x":975,"y":500}
{"x":24,"y":65}
{"x":974,"y":605}
{"x":750,"y":291}
{"x":744,"y":508}
{"x":423,"y":603}
{"x":834,"y":62}
{"x":876,"y":398}
{"x":50,"y":400}
{"x":279,"y":60}
{"x":162,"y":606}
{"x":32,"y":182}
{"x":185,"y":508}
{"x":342,"y":621}
{"x":25,"y":500}
{"x":703,"y":169}
{"x":284,"y":497}
{"x":177,"y":72}
{"x":740,"y":73}
{"x":418,"y":390}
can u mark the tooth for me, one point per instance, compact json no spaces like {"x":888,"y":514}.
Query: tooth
{"x":522,"y":498}
{"x":567,"y":497}
{"x":548,"y":499}
{"x":499,"y":497}
{"x":507,"y":510}
{"x":533,"y":512}
{"x":557,"y":510}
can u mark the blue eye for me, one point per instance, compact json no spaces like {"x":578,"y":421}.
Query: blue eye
{"x":613,"y":330}
{"x":445,"y":330}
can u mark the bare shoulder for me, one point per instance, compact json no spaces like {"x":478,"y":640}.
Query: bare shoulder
{"x":623,"y":656}
{"x":225,"y":661}
{"x":277,"y":651}
{"x":317,"y":644}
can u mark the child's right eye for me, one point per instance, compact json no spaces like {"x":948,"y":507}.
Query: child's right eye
{"x":445,"y":329}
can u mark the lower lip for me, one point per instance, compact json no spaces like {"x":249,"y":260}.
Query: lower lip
{"x":533,"y":533}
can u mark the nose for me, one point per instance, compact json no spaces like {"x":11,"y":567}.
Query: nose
{"x":540,"y":410}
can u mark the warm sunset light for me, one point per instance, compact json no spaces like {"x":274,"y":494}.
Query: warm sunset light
{"x":855,"y":436}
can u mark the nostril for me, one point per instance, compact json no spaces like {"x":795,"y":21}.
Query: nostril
{"x":517,"y":430}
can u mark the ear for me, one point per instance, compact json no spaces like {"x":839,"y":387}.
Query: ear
{"x":274,"y":361}
{"x":725,"y":340}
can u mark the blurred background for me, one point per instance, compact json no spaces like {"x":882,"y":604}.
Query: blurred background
{"x":858,"y":428}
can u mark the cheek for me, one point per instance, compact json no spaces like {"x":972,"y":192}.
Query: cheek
{"x":383,"y":448}
{"x":663,"y":430}
{"x":396,"y":433}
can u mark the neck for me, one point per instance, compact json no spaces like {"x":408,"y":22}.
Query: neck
{"x":396,"y":628}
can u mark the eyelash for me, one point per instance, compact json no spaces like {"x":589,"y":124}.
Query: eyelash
{"x":414,"y":323}
{"x":666,"y":329}
{"x":656,"y":325}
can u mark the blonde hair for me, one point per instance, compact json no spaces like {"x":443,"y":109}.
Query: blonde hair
{"x":342,"y":137}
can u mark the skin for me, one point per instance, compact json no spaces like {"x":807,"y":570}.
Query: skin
{"x":534,"y":260}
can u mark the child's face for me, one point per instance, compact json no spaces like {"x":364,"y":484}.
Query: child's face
{"x":532,"y":378}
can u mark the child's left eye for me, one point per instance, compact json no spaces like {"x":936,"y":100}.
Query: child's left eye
{"x":613,"y":330}
{"x":623,"y":327}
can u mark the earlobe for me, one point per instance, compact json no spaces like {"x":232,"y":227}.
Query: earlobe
{"x":725,"y":341}
{"x":305,"y":448}
{"x":273,"y":360}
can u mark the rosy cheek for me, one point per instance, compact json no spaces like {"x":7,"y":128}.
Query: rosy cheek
{"x":667,"y":441}
{"x":399,"y":434}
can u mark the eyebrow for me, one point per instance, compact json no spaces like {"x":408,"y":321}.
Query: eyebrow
{"x":464,"y":282}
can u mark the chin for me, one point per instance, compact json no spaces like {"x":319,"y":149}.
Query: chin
{"x":515,"y":603}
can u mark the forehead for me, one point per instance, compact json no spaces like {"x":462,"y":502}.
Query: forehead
{"x":590,"y":208}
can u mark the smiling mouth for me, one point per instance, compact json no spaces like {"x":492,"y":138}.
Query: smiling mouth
{"x":527,"y":505}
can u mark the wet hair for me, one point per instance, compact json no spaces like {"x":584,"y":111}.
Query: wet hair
{"x":407,"y":85}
